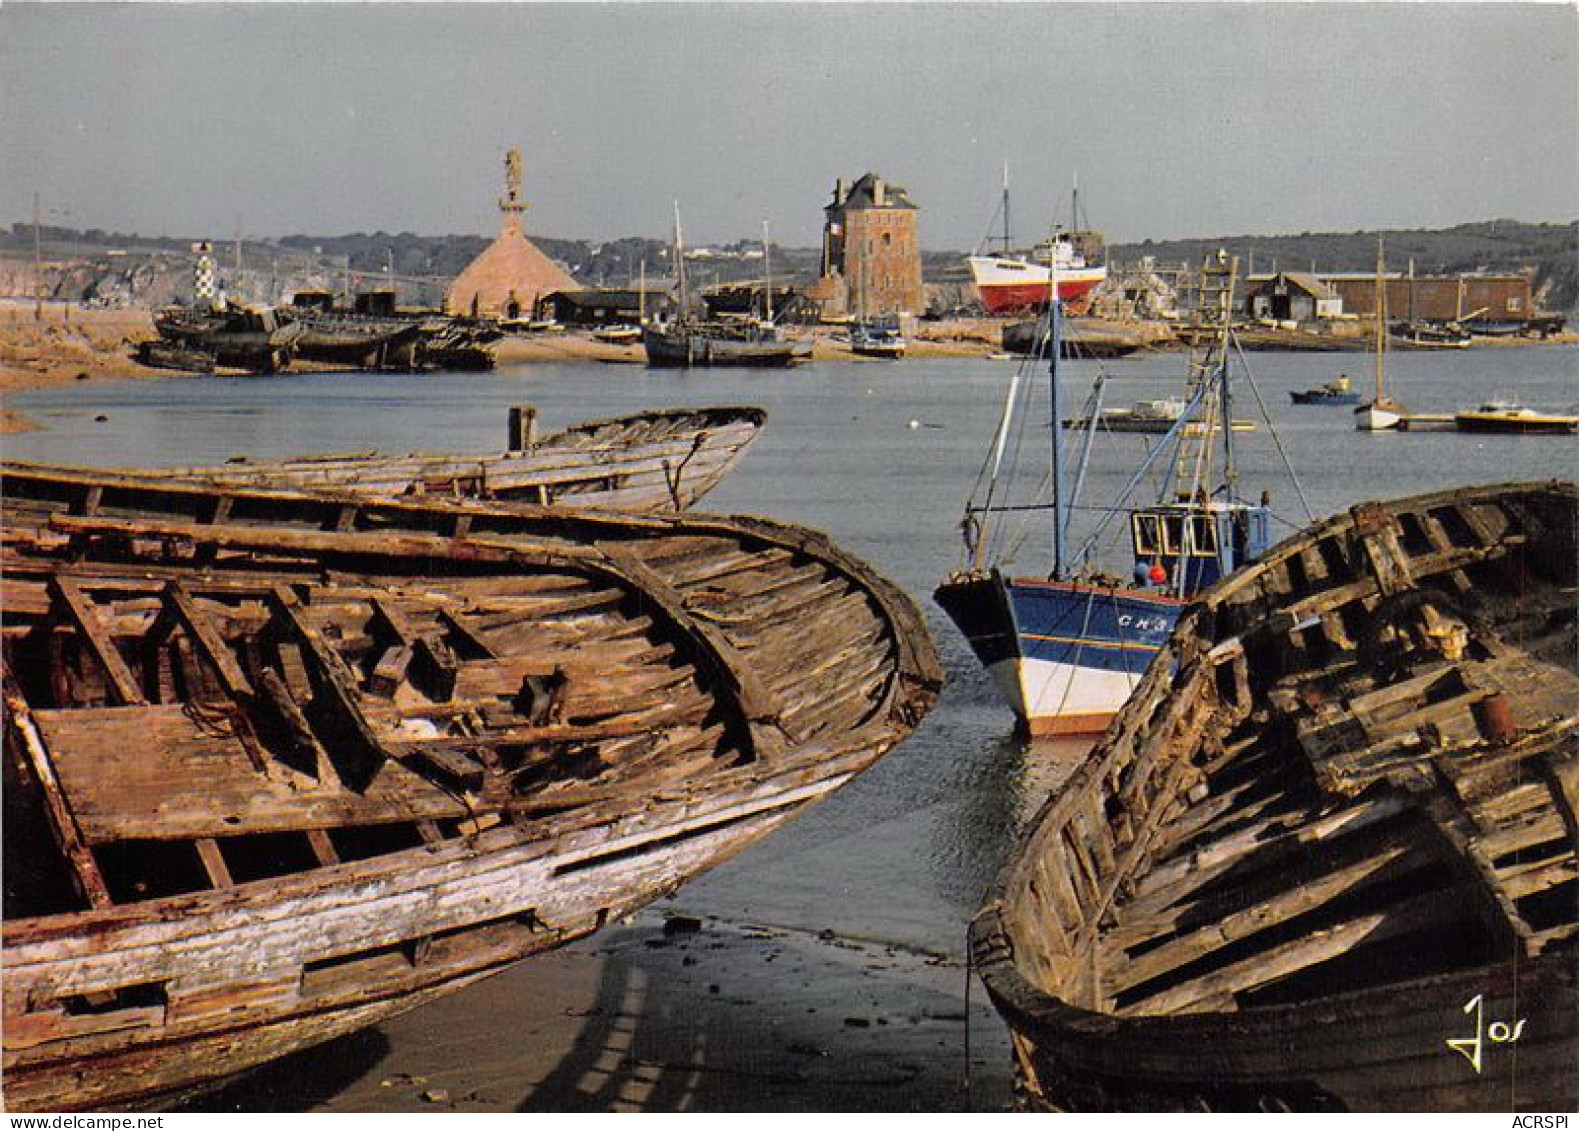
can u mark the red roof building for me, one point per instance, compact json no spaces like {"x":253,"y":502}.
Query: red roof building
{"x":511,"y":277}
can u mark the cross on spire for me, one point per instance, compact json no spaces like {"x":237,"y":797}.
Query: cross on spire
{"x":511,"y":203}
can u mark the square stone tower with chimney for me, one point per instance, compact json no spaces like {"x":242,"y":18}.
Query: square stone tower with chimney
{"x":870,"y":243}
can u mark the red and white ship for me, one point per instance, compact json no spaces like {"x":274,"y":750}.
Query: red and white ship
{"x":1011,"y":283}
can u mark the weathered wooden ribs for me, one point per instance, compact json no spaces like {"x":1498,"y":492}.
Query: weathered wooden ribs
{"x":1339,"y":812}
{"x":280,"y":764}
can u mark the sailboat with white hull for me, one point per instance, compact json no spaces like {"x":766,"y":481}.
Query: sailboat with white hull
{"x":1381,"y":413}
{"x":1068,"y":648}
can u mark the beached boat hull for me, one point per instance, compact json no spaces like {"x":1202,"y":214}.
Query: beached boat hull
{"x":1065,"y":657}
{"x":319,"y":964}
{"x":1325,"y":858}
{"x":650,"y":461}
{"x":686,"y":349}
{"x":280,"y":764}
{"x":1009,"y":285}
{"x":1078,"y":340}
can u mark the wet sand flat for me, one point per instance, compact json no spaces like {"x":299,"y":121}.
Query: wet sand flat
{"x":723,"y":1017}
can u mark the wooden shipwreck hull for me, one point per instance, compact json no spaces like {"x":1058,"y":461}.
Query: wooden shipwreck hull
{"x":280,"y":765}
{"x":649,"y":461}
{"x":1325,"y":857}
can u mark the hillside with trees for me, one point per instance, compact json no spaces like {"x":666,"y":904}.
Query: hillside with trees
{"x":1549,"y":251}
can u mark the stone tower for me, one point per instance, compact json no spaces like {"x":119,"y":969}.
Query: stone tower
{"x":870,"y":241}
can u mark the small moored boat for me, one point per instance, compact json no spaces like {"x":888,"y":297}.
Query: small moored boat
{"x":877,"y":339}
{"x":1154,"y":417}
{"x":1508,"y":417}
{"x":1382,"y":413}
{"x":1338,"y":392}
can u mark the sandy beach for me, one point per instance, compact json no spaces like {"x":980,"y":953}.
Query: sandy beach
{"x":68,"y":343}
{"x":71,"y":343}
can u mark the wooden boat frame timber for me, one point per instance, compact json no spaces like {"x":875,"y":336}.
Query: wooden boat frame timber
{"x":648,"y":461}
{"x":1325,"y":857}
{"x":281,"y":765}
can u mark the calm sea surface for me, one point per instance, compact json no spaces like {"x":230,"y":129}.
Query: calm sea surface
{"x":881,"y":456}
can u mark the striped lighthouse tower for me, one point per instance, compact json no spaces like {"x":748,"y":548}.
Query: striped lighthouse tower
{"x":205,"y":288}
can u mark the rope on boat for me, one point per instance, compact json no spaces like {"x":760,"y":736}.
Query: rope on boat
{"x":970,"y":969}
{"x":1277,"y":441}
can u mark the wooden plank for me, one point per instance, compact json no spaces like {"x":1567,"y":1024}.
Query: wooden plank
{"x":303,"y":751}
{"x":358,"y":759}
{"x":1563,"y":775}
{"x":214,"y":652}
{"x":1428,"y":911}
{"x":183,"y":779}
{"x":469,"y":636}
{"x":390,"y":671}
{"x":84,"y":869}
{"x":1271,"y":838}
{"x":210,"y":645}
{"x":213,"y":862}
{"x":756,"y":702}
{"x":281,"y":538}
{"x":119,"y":681}
{"x":1220,"y":931}
{"x":323,"y":848}
{"x":424,"y":650}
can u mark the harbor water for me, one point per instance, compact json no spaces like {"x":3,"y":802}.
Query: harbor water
{"x":881,"y":456}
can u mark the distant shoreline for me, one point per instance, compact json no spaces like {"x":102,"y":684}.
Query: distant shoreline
{"x":70,"y":343}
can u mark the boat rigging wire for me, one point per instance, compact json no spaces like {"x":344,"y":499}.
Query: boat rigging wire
{"x":1277,"y":440}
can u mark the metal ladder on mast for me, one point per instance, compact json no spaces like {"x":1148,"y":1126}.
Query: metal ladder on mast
{"x":1214,"y":311}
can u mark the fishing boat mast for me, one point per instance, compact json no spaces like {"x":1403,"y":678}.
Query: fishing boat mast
{"x":1054,"y":352}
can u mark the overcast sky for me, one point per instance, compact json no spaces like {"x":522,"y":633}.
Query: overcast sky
{"x":1179,"y":120}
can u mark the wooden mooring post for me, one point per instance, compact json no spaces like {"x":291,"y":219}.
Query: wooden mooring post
{"x":523,"y":428}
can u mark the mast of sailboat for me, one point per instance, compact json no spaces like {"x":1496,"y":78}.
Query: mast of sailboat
{"x":1054,"y":352}
{"x":641,"y":294}
{"x":1007,"y":244}
{"x":767,"y":274}
{"x":1381,"y":321}
{"x":679,"y":262}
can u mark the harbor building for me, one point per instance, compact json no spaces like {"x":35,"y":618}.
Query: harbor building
{"x":1436,"y":298}
{"x":511,"y":277}
{"x":605,"y":307}
{"x":871,"y":265}
{"x":1294,"y":296}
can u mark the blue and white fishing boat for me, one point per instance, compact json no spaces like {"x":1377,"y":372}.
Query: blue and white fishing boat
{"x":1068,"y":647}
